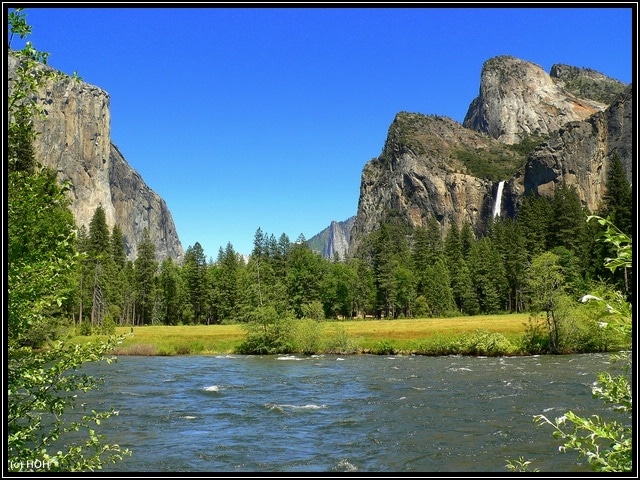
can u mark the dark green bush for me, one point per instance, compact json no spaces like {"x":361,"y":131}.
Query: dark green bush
{"x":268,"y":333}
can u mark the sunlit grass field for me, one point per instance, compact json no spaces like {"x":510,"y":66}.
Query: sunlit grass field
{"x":363,"y":335}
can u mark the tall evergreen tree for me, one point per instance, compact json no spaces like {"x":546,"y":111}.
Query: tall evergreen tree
{"x":145,"y":265}
{"x":194,"y":269}
{"x":259,"y":244}
{"x":534,"y":217}
{"x":84,"y":276}
{"x":510,"y":242}
{"x":99,"y":237}
{"x":462,"y":289}
{"x":617,"y":203}
{"x":117,"y":281}
{"x":281,"y":256}
{"x":171,"y":287}
{"x":438,"y":292}
{"x":568,"y":223}
{"x":227,"y":284}
{"x":118,"y":252}
{"x":452,"y":245}
{"x":386,"y":249}
{"x":488,"y":276}
{"x":467,"y":239}
{"x":101,"y":262}
{"x":129,"y":289}
{"x":304,"y":275}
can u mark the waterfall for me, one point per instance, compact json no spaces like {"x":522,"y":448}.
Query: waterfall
{"x":496,"y":206}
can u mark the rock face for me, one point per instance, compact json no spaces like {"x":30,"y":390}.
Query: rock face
{"x":432,"y":165}
{"x":587,"y":83}
{"x":518,"y":98}
{"x":421,"y":173}
{"x":139,"y":206}
{"x":333,"y":240}
{"x":579,"y":154}
{"x":74,"y":140}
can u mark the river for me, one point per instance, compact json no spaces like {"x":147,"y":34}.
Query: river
{"x":328,"y":413}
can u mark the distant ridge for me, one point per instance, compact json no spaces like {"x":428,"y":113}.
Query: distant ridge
{"x":333,"y":240}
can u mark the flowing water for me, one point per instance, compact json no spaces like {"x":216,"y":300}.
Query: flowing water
{"x":498,"y":202}
{"x":356,"y":413}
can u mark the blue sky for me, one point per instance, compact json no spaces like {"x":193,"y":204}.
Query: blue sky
{"x":242,"y":117}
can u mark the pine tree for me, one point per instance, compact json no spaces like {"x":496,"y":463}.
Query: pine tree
{"x":227,"y":283}
{"x":171,"y":287}
{"x":467,"y":239}
{"x":510,"y":242}
{"x":461,"y":287}
{"x":386,"y":249}
{"x":145,"y":271}
{"x":568,"y":222}
{"x":118,"y":252}
{"x":259,"y":244}
{"x":488,"y":275}
{"x":304,"y":275}
{"x":534,"y":217}
{"x":99,"y":237}
{"x":427,"y":249}
{"x":194,"y":270}
{"x":84,"y":273}
{"x":104,"y":275}
{"x":617,"y":203}
{"x":438,"y":292}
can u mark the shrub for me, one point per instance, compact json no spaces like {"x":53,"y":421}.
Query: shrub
{"x":339,"y":342}
{"x":482,"y":342}
{"x":85,"y":328}
{"x":268,"y":333}
{"x":535,"y":340}
{"x":383,"y":347}
{"x":108,"y":326}
{"x":306,"y":336}
{"x":313,"y":310}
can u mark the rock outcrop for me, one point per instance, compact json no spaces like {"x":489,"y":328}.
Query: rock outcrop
{"x":518,"y":98}
{"x":74,"y":140}
{"x":587,"y":83}
{"x":579,"y":154}
{"x":334,"y":240}
{"x":426,"y":169}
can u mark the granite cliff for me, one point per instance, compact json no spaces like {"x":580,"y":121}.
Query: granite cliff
{"x":579,"y":153}
{"x":74,"y":140}
{"x":333,"y":240}
{"x":527,"y":130}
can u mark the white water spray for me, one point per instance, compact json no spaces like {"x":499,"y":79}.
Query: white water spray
{"x":496,"y":206}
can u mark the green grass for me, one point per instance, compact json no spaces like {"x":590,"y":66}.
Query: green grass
{"x":355,"y":336}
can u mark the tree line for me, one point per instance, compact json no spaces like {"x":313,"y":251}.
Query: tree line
{"x":397,"y":271}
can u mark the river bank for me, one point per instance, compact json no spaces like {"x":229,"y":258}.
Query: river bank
{"x":492,"y":335}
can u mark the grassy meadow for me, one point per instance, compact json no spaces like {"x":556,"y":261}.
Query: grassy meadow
{"x":405,"y":336}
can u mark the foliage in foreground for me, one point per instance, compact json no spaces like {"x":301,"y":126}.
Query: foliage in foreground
{"x":42,"y":391}
{"x":42,"y":377}
{"x":606,"y":444}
